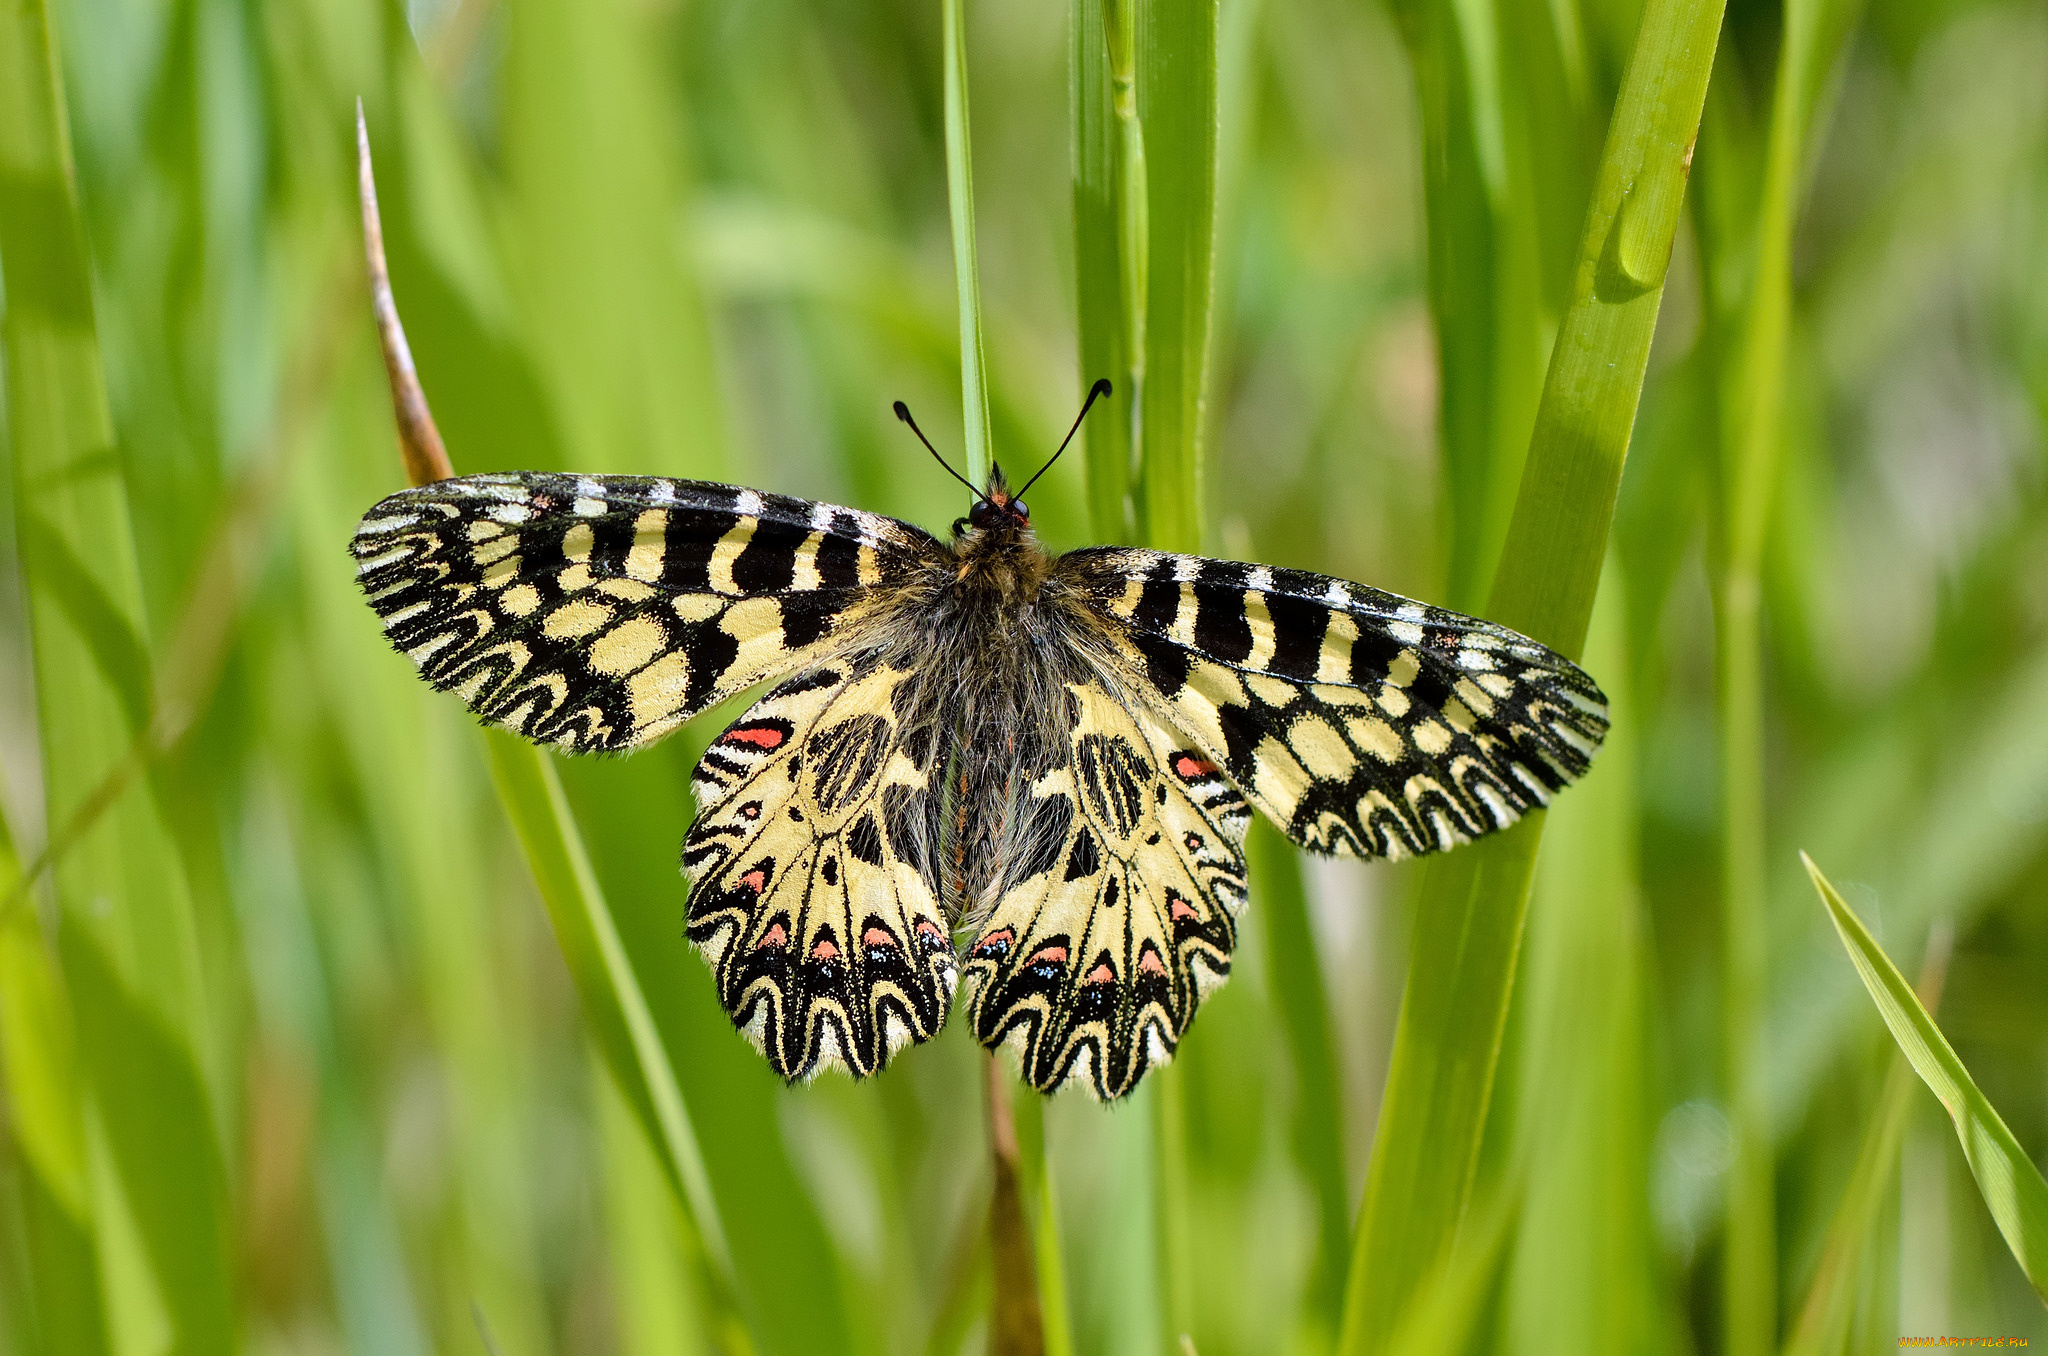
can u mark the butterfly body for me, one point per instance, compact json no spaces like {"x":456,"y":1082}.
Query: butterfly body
{"x":977,"y":759}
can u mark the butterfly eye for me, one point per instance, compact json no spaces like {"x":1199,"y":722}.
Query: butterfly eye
{"x":1023,"y":509}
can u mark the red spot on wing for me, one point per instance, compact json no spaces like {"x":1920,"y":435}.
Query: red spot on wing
{"x":760,"y":736}
{"x":876,"y":937}
{"x":1191,"y":767}
{"x":773,"y":939}
{"x":997,"y":943}
{"x":1102,"y":974}
{"x":1048,"y":955}
{"x":1149,"y":963}
{"x":755,"y":880}
{"x":824,"y":950}
{"x":1178,"y":908}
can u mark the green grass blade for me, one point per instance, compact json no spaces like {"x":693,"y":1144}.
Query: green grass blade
{"x":1112,"y":242}
{"x":1450,"y":1299}
{"x":1170,"y":149}
{"x":1176,"y":97}
{"x":966,"y":269}
{"x":628,"y":814}
{"x":1485,"y":275}
{"x":1556,"y":543}
{"x":1956,"y":852}
{"x":1108,"y":250}
{"x":533,"y":800}
{"x":594,"y":165}
{"x":51,"y":1290}
{"x":1461,"y":970}
{"x":624,"y":1029}
{"x":1446,"y":1043}
{"x":2012,"y":1186}
{"x":130,"y":954}
{"x":659,"y":1313}
{"x":1295,"y":980}
{"x":1751,"y":453}
{"x":1825,"y":1319}
{"x":1747,"y":478}
{"x":1580,"y":1108}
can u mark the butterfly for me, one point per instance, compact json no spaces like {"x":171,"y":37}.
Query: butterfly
{"x":1051,"y":759}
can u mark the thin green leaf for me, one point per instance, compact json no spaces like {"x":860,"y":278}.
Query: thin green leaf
{"x":2011,"y":1185}
{"x":532,"y":797}
{"x":1485,"y":269}
{"x":966,"y":269}
{"x":1753,"y":447}
{"x":1176,"y":103}
{"x":1575,"y":1094}
{"x":1468,"y":933}
{"x":1823,"y":1326}
{"x":130,"y":961}
{"x":53,"y":1295}
{"x":1451,"y":1298}
{"x":1109,"y":248}
{"x":540,"y":814}
{"x":650,"y":1244}
{"x":1295,"y":979}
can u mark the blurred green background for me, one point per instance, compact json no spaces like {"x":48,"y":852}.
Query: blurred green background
{"x":293,"y":1061}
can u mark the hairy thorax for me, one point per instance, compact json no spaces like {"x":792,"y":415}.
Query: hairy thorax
{"x":997,"y":638}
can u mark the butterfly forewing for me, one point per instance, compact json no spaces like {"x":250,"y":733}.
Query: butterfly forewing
{"x":1108,"y":930}
{"x":600,"y":612}
{"x":1360,"y":722}
{"x":813,"y":867}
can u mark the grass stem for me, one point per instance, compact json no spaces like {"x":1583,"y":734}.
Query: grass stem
{"x":1468,"y":935}
{"x":966,"y":267}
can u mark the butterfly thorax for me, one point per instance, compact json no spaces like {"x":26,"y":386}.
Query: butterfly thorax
{"x":1000,"y":567}
{"x":991,"y":635}
{"x":995,"y":557}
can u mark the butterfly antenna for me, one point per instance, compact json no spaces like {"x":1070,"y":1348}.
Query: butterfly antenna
{"x":1100,"y":388}
{"x":903,"y":413}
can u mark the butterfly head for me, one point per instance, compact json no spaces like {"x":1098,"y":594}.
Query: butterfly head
{"x":997,"y":508}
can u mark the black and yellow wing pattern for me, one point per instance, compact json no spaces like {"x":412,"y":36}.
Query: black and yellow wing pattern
{"x":813,"y":867}
{"x":601,"y":612}
{"x":1121,"y":913}
{"x":1360,"y":722}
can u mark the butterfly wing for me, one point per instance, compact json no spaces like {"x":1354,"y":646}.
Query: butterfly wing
{"x":600,"y":612}
{"x":813,"y":868}
{"x":1116,"y":909}
{"x":1360,"y":722}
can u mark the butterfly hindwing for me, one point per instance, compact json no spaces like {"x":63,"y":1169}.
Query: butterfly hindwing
{"x":600,"y":612}
{"x":1360,"y":722}
{"x":813,"y":879}
{"x":1108,"y":929}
